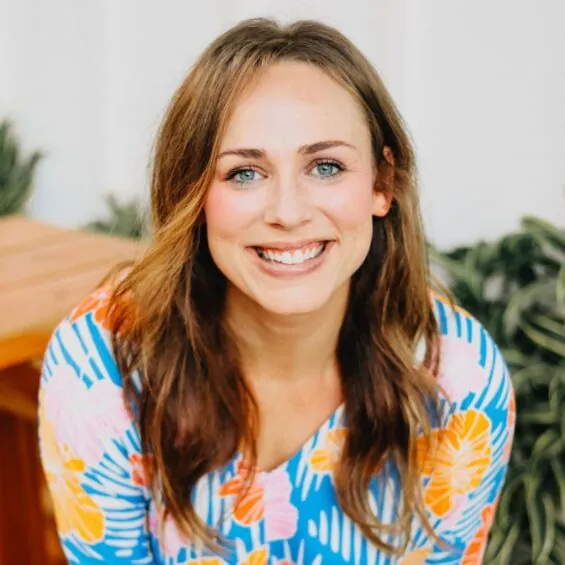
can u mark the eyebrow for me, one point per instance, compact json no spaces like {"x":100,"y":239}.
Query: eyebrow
{"x":250,"y":153}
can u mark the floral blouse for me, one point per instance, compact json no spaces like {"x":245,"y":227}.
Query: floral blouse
{"x":94,"y":464}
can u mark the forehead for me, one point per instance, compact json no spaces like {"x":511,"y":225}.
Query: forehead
{"x":294,"y":102}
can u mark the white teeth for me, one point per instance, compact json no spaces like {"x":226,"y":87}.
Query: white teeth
{"x":291,"y":257}
{"x":287,"y":258}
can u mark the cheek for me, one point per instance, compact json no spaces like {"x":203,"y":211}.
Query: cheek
{"x":227,"y":212}
{"x":351,"y":208}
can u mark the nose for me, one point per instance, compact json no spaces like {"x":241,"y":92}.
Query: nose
{"x":289,"y":204}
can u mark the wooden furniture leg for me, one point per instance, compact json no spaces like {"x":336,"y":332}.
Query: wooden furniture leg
{"x":24,"y":525}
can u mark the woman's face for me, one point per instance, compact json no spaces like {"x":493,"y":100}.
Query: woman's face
{"x":289,"y":212}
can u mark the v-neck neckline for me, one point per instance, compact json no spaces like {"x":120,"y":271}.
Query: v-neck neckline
{"x":334,"y":420}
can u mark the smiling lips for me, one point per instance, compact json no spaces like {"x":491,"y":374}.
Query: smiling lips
{"x":291,"y":255}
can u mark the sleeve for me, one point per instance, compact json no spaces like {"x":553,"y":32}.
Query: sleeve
{"x":467,"y":472}
{"x":90,"y":450}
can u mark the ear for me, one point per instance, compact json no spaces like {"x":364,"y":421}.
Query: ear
{"x":384,"y":185}
{"x":382,"y":201}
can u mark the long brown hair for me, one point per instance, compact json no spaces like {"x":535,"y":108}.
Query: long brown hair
{"x":194,"y":408}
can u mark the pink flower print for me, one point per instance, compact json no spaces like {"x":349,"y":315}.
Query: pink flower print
{"x":173,"y":541}
{"x":458,"y":506}
{"x":281,"y":517}
{"x":170,"y":539}
{"x":153,"y":521}
{"x":250,"y":503}
{"x":460,"y":373}
{"x":268,"y":499}
{"x":84,"y":419}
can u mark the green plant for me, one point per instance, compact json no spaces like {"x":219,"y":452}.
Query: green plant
{"x":16,"y":174}
{"x":516,"y":288}
{"x":125,"y":219}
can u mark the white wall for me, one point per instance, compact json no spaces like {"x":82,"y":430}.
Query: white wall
{"x":481,"y":84}
{"x":485,"y":93}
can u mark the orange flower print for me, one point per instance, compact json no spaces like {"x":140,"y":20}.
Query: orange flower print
{"x":99,"y":303}
{"x":475,"y":550}
{"x":256,"y":557}
{"x":96,"y":302}
{"x":325,"y":459}
{"x":458,"y":462}
{"x":267,"y":499}
{"x":249,"y":508}
{"x":75,"y":511}
{"x":425,"y":449}
{"x":416,"y":557}
{"x":139,"y":469}
{"x":487,"y":515}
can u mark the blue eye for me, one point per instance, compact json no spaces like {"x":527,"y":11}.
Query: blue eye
{"x":243,"y":176}
{"x":327,"y":169}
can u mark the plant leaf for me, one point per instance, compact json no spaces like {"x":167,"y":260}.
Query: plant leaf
{"x":521,"y":301}
{"x":453,"y":268}
{"x":537,"y":374}
{"x":557,"y":345}
{"x":508,"y":497}
{"x":558,"y":468}
{"x":505,"y":552}
{"x":558,"y":552}
{"x":548,"y":324}
{"x":16,"y":174}
{"x":540,"y":417}
{"x":545,"y":232}
{"x":548,"y":445}
{"x":536,"y":516}
{"x":561,"y":285}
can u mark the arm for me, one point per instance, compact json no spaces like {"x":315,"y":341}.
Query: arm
{"x":465,"y":476}
{"x":90,"y":450}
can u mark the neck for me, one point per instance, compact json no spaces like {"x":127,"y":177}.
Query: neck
{"x":286,"y":347}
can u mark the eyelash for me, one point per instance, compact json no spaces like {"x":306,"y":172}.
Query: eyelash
{"x":317,"y":163}
{"x":337,"y":164}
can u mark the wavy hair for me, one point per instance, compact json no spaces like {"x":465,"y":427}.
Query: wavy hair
{"x":193,"y":406}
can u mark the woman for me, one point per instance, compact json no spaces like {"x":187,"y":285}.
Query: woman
{"x":274,"y":381}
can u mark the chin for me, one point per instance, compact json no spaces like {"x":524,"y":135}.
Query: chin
{"x":293,"y":302}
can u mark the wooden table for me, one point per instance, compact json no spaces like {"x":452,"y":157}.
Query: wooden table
{"x":44,"y":272}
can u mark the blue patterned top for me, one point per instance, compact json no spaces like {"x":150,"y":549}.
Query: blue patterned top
{"x":92,"y":457}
